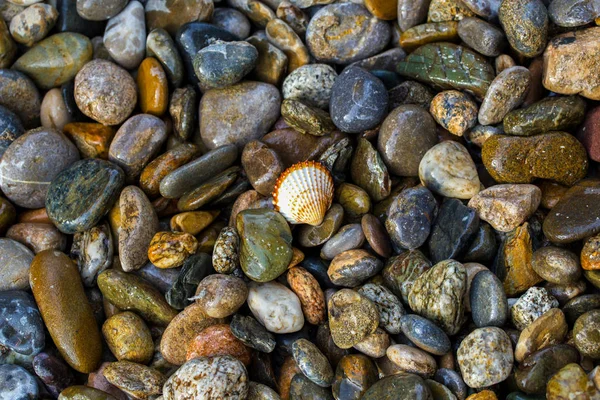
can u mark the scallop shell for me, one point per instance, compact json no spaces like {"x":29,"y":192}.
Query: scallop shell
{"x":303,"y":193}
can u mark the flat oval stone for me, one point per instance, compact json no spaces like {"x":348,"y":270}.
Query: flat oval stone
{"x":567,"y":113}
{"x":31,"y":162}
{"x":232,"y":21}
{"x":252,"y":106}
{"x":75,"y":393}
{"x":411,"y":360}
{"x":489,"y":306}
{"x":313,"y":364}
{"x":311,"y":84}
{"x":161,"y":166}
{"x":57,"y":288}
{"x":352,"y":267}
{"x":22,"y":329}
{"x":53,"y":112}
{"x":280,"y":34}
{"x":356,"y":35}
{"x":312,"y":236}
{"x":432,"y":62}
{"x":266,"y":249}
{"x":368,"y":171}
{"x":482,"y":36}
{"x":217,"y":340}
{"x":349,"y":237}
{"x":389,"y":306}
{"x":506,"y":92}
{"x":276,"y":307}
{"x":419,"y":35}
{"x":15,"y":260}
{"x":570,"y":70}
{"x":8,"y":48}
{"x":375,"y":344}
{"x":439,"y":303}
{"x":454,"y":111}
{"x":209,"y":191}
{"x":17,"y":383}
{"x":485,"y":357}
{"x":584,"y":334}
{"x":262,"y":166}
{"x":105,"y":92}
{"x":137,"y":380}
{"x":425,"y":334}
{"x":571,"y":218}
{"x":556,"y":265}
{"x":354,"y":375}
{"x":252,"y":333}
{"x":549,"y":329}
{"x":452,"y":231}
{"x":404,"y":386}
{"x":376,"y":235}
{"x":221,"y":295}
{"x":10,"y":128}
{"x":33,"y":24}
{"x":171,"y":15}
{"x":91,"y":138}
{"x":302,"y":388}
{"x":536,"y":370}
{"x":370,"y":104}
{"x":310,"y":294}
{"x":569,"y":13}
{"x":125,"y":35}
{"x":404,"y":137}
{"x":161,"y":46}
{"x":82,"y":194}
{"x":306,"y":119}
{"x":400,"y":272}
{"x":55,"y":60}
{"x":99,"y":10}
{"x":153,"y":87}
{"x":20,"y":95}
{"x":525,"y":23}
{"x":136,"y":141}
{"x":38,"y":236}
{"x":448,"y":169}
{"x":272,"y":63}
{"x":530,"y":306}
{"x":222,"y":64}
{"x":128,"y":337}
{"x":352,"y":317}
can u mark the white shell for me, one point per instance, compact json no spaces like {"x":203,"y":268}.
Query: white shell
{"x":304,"y":193}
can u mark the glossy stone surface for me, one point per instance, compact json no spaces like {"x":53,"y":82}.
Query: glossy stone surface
{"x":128,"y":337}
{"x":20,"y":95}
{"x":17,"y":383}
{"x":489,"y":306}
{"x":171,"y":15}
{"x":15,"y":260}
{"x":406,"y":386}
{"x":252,"y":333}
{"x":311,"y":84}
{"x":354,"y":375}
{"x":535,"y":371}
{"x":452,"y":231}
{"x":526,"y":25}
{"x":222,"y":64}
{"x":161,"y":46}
{"x":369,"y":171}
{"x":425,"y":334}
{"x":570,"y":381}
{"x":22,"y":329}
{"x":547,"y":330}
{"x":454,"y":111}
{"x":33,"y":24}
{"x":352,"y":317}
{"x":276,"y":307}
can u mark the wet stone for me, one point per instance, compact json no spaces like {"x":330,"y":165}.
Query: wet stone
{"x":547,"y":330}
{"x":570,"y":381}
{"x":8,"y":48}
{"x":222,"y":64}
{"x":534,"y":372}
{"x":217,"y":340}
{"x":221,"y":295}
{"x":482,"y":36}
{"x":301,"y":388}
{"x":134,"y":379}
{"x":252,"y":333}
{"x":53,"y":372}
{"x":313,"y":364}
{"x":350,"y":268}
{"x":375,"y":344}
{"x":454,"y":111}
{"x":349,"y":237}
{"x":425,"y":334}
{"x":441,"y":304}
{"x":489,"y":306}
{"x":411,"y":360}
{"x":556,"y":265}
{"x":20,"y":95}
{"x":567,"y":113}
{"x":369,"y":171}
{"x":312,"y":84}
{"x":17,"y":383}
{"x":410,"y":92}
{"x":282,"y":36}
{"x":452,"y":380}
{"x":128,"y":338}
{"x":33,"y":24}
{"x":92,"y":139}
{"x":195,"y":268}
{"x":352,"y":317}
{"x":99,"y":10}
{"x":411,"y":13}
{"x":452,"y":231}
{"x":306,"y":119}
{"x":525,"y":23}
{"x":232,"y":21}
{"x":400,"y":272}
{"x":171,"y":16}
{"x":507,"y":91}
{"x":93,"y":250}
{"x":10,"y":128}
{"x":161,"y":46}
{"x":389,"y":306}
{"x":584,"y":333}
{"x":357,"y":35}
{"x":354,"y":200}
{"x":312,"y":236}
{"x":354,"y":375}
{"x":369,"y":105}
{"x":405,"y":386}
{"x":22,"y":330}
{"x":15,"y":260}
{"x":422,"y":34}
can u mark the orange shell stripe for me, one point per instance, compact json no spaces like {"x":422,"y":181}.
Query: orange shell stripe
{"x":295,"y":167}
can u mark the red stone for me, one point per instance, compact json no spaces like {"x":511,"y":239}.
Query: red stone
{"x":589,"y":133}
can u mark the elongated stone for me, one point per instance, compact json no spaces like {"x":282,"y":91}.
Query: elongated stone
{"x":55,"y":60}
{"x":449,"y":66}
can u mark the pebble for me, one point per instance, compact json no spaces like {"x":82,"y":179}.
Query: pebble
{"x":507,"y":91}
{"x":556,"y":265}
{"x":139,"y":381}
{"x":10,"y":128}
{"x":92,"y":139}
{"x":357,"y":34}
{"x":252,"y":333}
{"x":389,"y":306}
{"x":398,"y":142}
{"x":430,"y":62}
{"x":368,"y":171}
{"x":547,"y":330}
{"x":485,"y":357}
{"x":217,"y":340}
{"x":221,"y":295}
{"x":311,"y":84}
{"x":489,"y":306}
{"x":139,"y":224}
{"x":53,"y":111}
{"x":313,"y":364}
{"x":23,"y":329}
{"x":571,"y":218}
{"x":566,"y":13}
{"x":349,"y":237}
{"x":375,"y":344}
{"x":183,"y":285}
{"x":448,"y":169}
{"x":8,"y":48}
{"x":536,"y":370}
{"x":225,"y":254}
{"x":17,"y":383}
{"x":38,"y":236}
{"x":310,"y":294}
{"x":588,"y":133}
{"x":89,"y":188}
{"x":128,"y":338}
{"x":258,"y":391}
{"x":352,"y":317}
{"x":99,"y":10}
{"x":15,"y":260}
{"x":447,"y":10}
{"x":222,"y":64}
{"x":232,"y":21}
{"x":145,"y":300}
{"x":411,"y":13}
{"x":160,"y":45}
{"x":404,"y":386}
{"x":31,"y":162}
{"x":53,"y":372}
{"x":75,"y":393}
{"x":441,"y":303}
{"x":171,"y":16}
{"x":355,"y":201}
{"x":521,"y":159}
{"x":425,"y":334}
{"x":272,"y":63}
{"x":453,"y":230}
{"x":567,"y":113}
{"x":282,"y":36}
{"x":312,"y":236}
{"x":171,"y":249}
{"x":400,"y":272}
{"x":505,"y":207}
{"x":276,"y":307}
{"x":59,"y":294}
{"x":454,"y":111}
{"x":124,"y":37}
{"x":19,"y":95}
{"x":412,"y":360}
{"x":153,"y":88}
{"x":354,"y":375}
{"x":570,"y":381}
{"x":376,"y":235}
{"x":105,"y":92}
{"x":253,"y":106}
{"x":352,"y":267}
{"x":530,"y":306}
{"x":525,"y":23}
{"x":568,"y":70}
{"x":419,"y":35}
{"x":584,"y":334}
{"x":33,"y":24}
{"x":358,"y":101}
{"x":482,"y":36}
{"x":306,"y":119}
{"x":302,"y":388}
{"x":452,"y":380}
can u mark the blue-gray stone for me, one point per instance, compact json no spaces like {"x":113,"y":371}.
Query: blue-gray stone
{"x":224,"y":63}
{"x":21,"y":326}
{"x":453,"y":230}
{"x":489,"y":306}
{"x":17,"y":384}
{"x":10,"y":128}
{"x":425,"y":334}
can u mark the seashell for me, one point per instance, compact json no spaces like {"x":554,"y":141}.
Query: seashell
{"x":304,"y":192}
